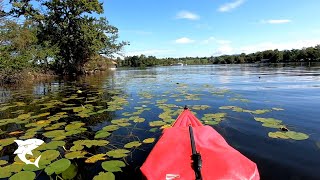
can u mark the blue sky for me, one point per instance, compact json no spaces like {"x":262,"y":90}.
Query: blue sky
{"x":179,"y":28}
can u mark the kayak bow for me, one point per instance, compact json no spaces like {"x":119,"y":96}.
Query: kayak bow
{"x":189,"y":150}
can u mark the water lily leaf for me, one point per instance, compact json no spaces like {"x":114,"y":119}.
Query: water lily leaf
{"x":76,"y":147}
{"x":5,"y":172}
{"x":15,"y":167}
{"x":24,"y":116}
{"x":111,"y":128}
{"x":6,"y":142}
{"x":95,"y":158}
{"x":90,"y":143}
{"x":149,"y":140}
{"x":297,"y":135}
{"x":25,"y":175}
{"x":54,"y":133}
{"x":156,"y":123}
{"x":119,"y":153}
{"x":31,"y":167}
{"x":49,"y":155}
{"x":113,"y":166}
{"x":166,"y":126}
{"x":278,"y":134}
{"x":139,"y":120}
{"x":3,"y":162}
{"x":70,"y":173}
{"x":58,"y":167}
{"x":104,"y":176}
{"x":54,"y":144}
{"x":102,"y":134}
{"x":153,"y":130}
{"x":74,"y":126}
{"x":75,"y":154}
{"x":132,"y":144}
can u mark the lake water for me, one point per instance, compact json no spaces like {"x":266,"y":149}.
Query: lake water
{"x":290,"y":93}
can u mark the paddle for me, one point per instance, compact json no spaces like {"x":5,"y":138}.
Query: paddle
{"x":196,"y":157}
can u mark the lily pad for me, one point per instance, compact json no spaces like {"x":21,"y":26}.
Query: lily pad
{"x":156,"y":123}
{"x":74,"y":126}
{"x":113,"y":166}
{"x":95,"y":158}
{"x":149,"y":140}
{"x":139,"y":120}
{"x":49,"y":155}
{"x":3,"y":162}
{"x":132,"y":144}
{"x":54,"y":144}
{"x":290,"y":134}
{"x":75,"y":155}
{"x":25,"y":175}
{"x":119,"y":153}
{"x":105,"y":176}
{"x":111,"y":128}
{"x":70,"y":173}
{"x":58,"y":167}
{"x":102,"y":134}
{"x":54,"y":133}
{"x":76,"y":147}
{"x":90,"y":143}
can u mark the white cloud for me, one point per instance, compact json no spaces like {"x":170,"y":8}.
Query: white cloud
{"x":230,"y":6}
{"x":276,"y":21}
{"x":187,"y":15}
{"x":184,"y":40}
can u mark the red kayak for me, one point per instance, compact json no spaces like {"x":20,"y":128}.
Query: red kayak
{"x":189,"y":150}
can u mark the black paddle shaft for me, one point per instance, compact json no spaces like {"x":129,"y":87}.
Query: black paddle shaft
{"x":196,"y":157}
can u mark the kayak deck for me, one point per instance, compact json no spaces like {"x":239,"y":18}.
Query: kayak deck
{"x":171,"y":156}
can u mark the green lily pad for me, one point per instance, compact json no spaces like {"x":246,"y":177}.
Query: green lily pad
{"x":75,"y":155}
{"x":149,"y":140}
{"x":297,"y":135}
{"x":113,"y":166}
{"x":74,"y":126}
{"x":132,"y":144}
{"x":111,"y":128}
{"x":153,"y":130}
{"x":24,"y":116}
{"x":104,"y":176}
{"x":49,"y":155}
{"x":25,"y":175}
{"x":3,"y":162}
{"x":95,"y":158}
{"x":102,"y":134}
{"x":119,"y":153}
{"x":288,"y":135}
{"x":54,"y":133}
{"x":76,"y":147}
{"x":58,"y":167}
{"x":6,"y":142}
{"x":156,"y":123}
{"x":139,"y":120}
{"x":55,"y":144}
{"x":90,"y":143}
{"x":70,"y":173}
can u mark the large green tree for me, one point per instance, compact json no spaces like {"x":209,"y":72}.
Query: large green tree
{"x":74,"y":26}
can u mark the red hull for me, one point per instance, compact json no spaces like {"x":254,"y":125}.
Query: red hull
{"x":171,"y":157}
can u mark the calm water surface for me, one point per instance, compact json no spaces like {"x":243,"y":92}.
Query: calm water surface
{"x":295,"y":89}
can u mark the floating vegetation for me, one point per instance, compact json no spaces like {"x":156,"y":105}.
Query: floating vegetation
{"x":156,"y":123}
{"x":132,"y":144}
{"x":213,"y":119}
{"x":239,"y":109}
{"x":200,"y":107}
{"x":104,"y":175}
{"x":240,"y":99}
{"x":149,"y":140}
{"x":270,"y":122}
{"x":75,"y":154}
{"x":288,"y":135}
{"x":58,"y":167}
{"x":118,"y":153}
{"x":95,"y":158}
{"x":26,"y":175}
{"x":113,"y":166}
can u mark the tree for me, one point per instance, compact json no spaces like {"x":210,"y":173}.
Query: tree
{"x":68,"y":26}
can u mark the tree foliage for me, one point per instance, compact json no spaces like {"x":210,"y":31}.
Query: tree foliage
{"x":310,"y":54}
{"x":71,"y":27}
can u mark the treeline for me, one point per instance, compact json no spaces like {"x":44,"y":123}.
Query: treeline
{"x":57,"y":36}
{"x":310,"y":54}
